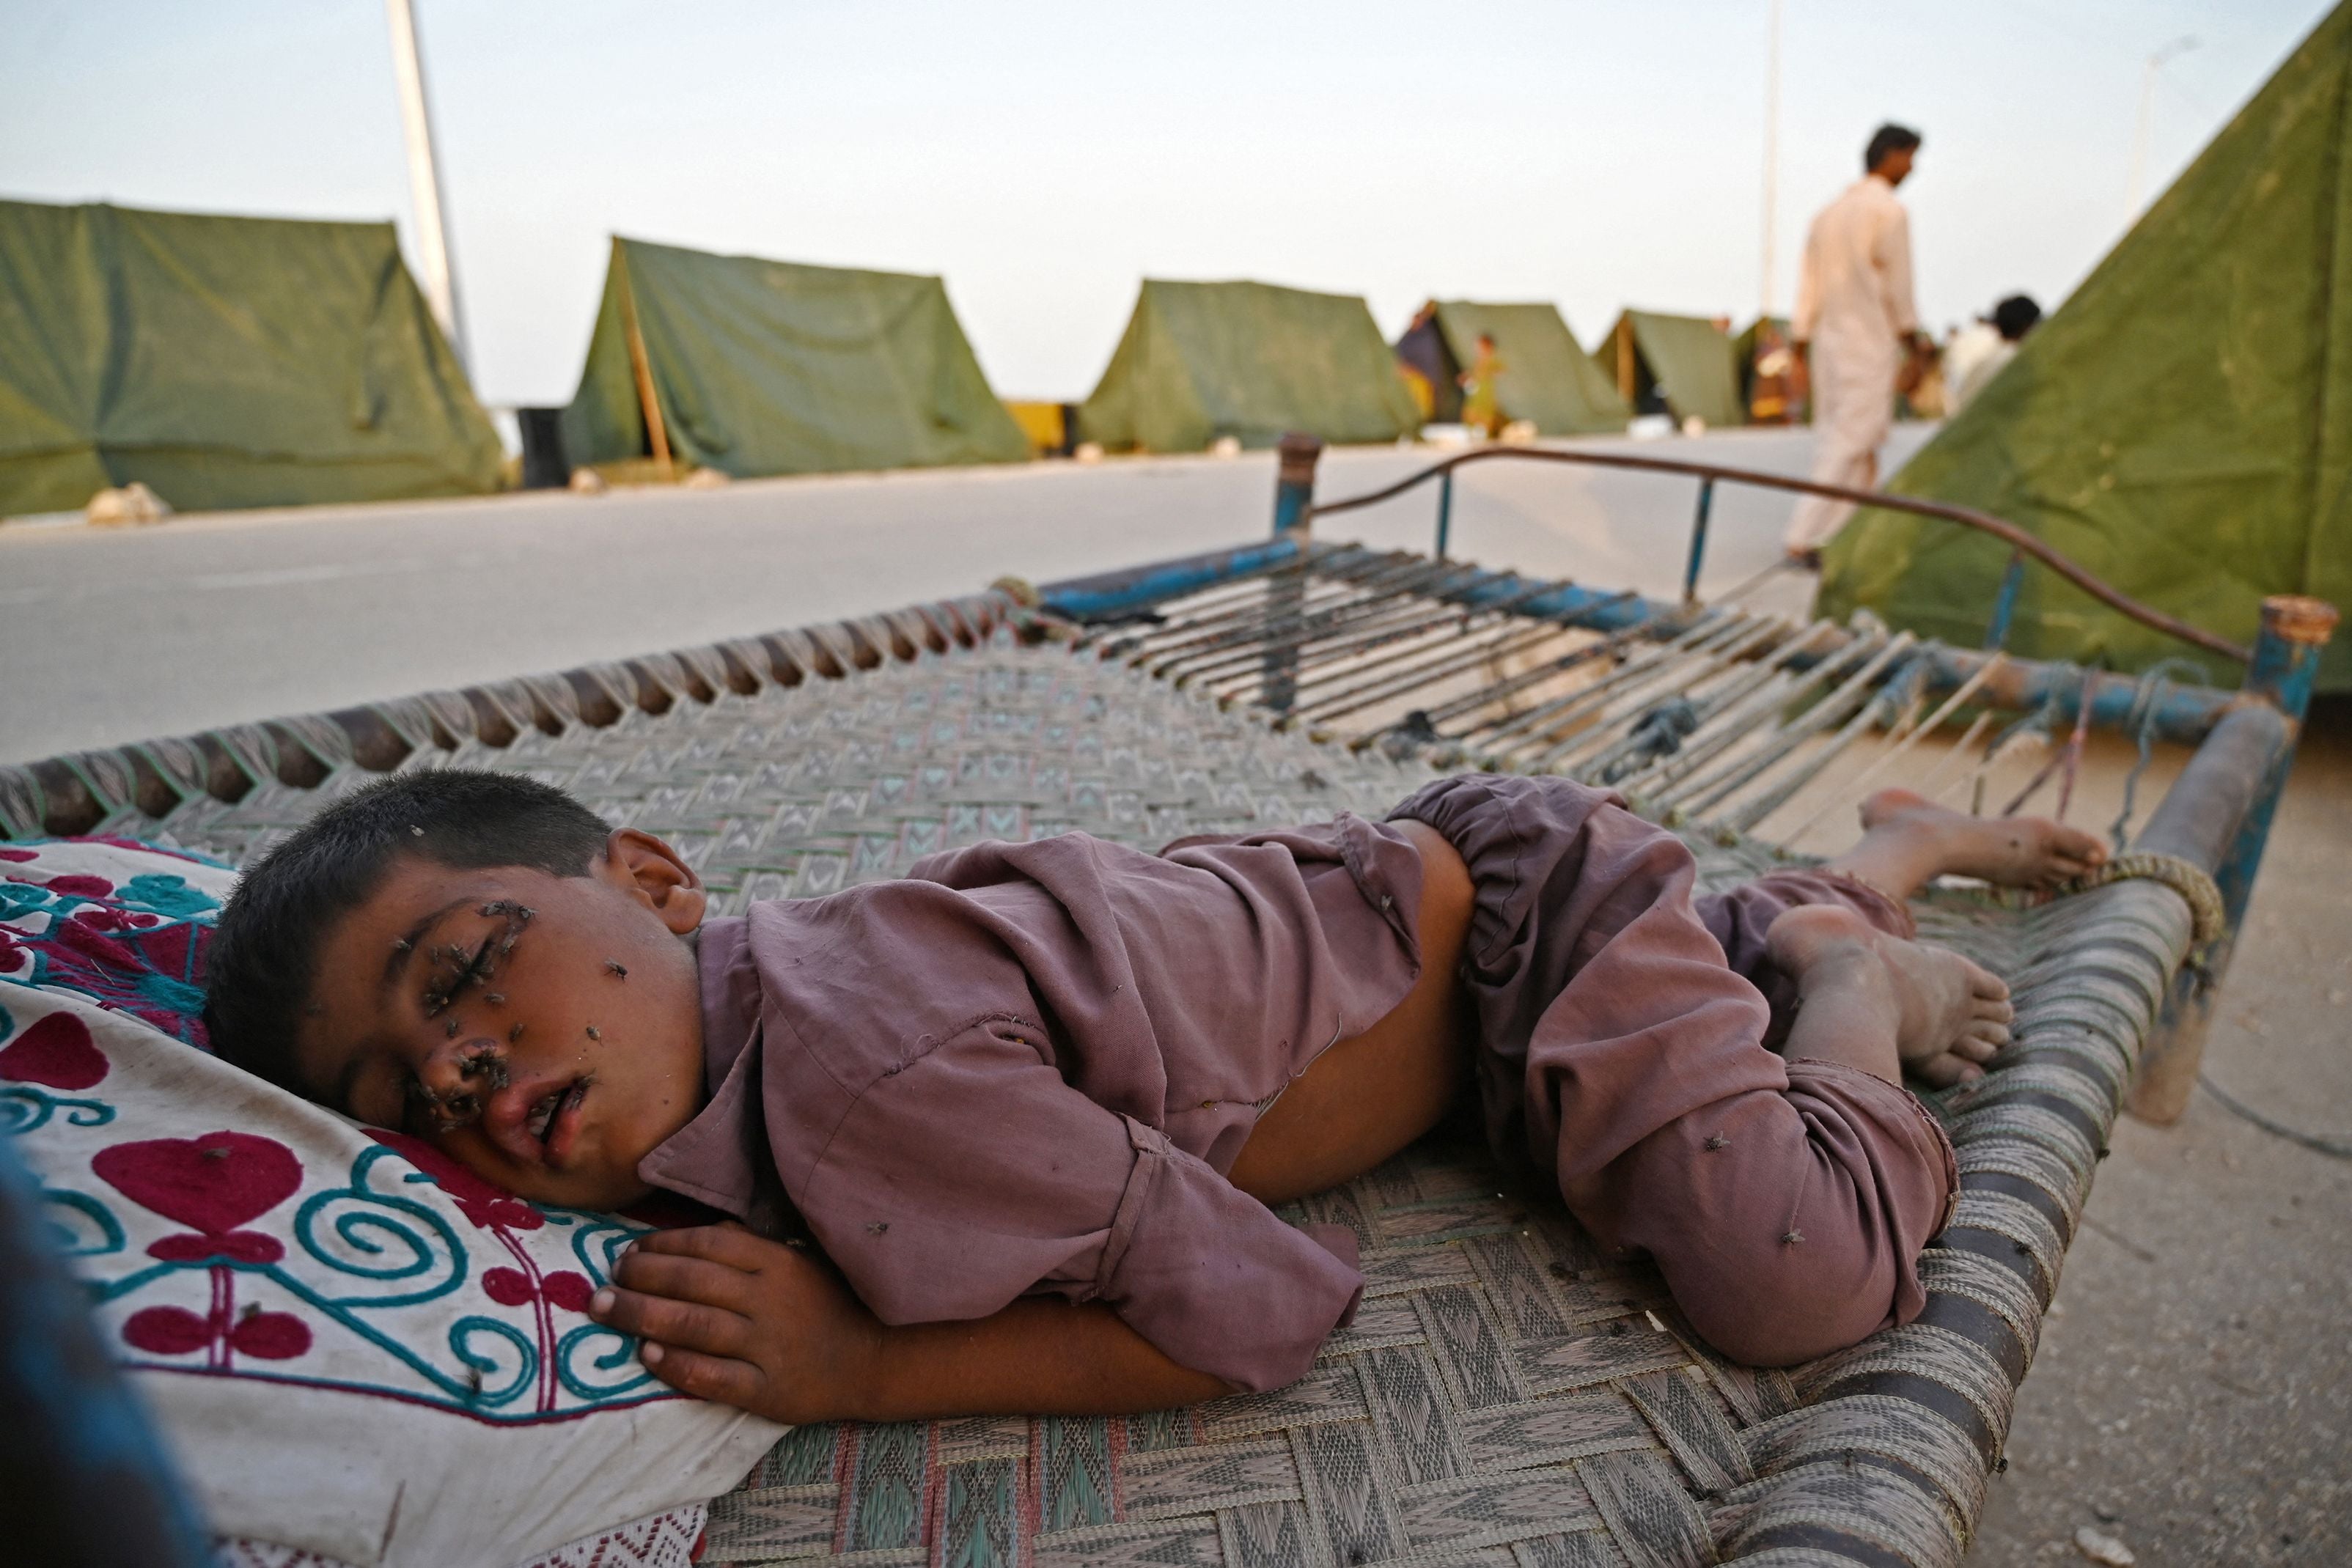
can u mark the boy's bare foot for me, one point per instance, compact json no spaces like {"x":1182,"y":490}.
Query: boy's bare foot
{"x":2011,"y":852}
{"x":1863,"y":991}
{"x":1957,"y":1013}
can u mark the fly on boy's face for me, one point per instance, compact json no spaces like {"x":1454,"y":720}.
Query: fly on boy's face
{"x":545,"y":1031}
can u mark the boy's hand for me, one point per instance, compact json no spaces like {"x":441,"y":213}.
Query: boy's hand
{"x":756,"y":1324}
{"x":729,"y":1316}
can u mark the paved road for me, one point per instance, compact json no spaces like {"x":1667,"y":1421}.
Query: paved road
{"x":109,"y":635}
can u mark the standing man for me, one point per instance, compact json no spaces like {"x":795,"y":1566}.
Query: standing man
{"x":1857,"y":334}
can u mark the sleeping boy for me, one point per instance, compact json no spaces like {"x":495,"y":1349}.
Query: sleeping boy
{"x":1031,"y":1103}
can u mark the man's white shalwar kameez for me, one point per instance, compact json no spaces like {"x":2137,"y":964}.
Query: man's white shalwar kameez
{"x":1854,"y":307}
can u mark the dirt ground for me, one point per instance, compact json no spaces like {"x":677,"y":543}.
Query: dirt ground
{"x":2193,"y":1393}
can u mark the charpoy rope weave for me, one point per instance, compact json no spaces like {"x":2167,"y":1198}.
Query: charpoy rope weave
{"x":1507,"y":1396}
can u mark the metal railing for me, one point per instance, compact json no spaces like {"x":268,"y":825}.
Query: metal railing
{"x":2023,"y":545}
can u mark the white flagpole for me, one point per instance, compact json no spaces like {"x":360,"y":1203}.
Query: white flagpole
{"x":424,"y":180}
{"x":2155,"y":63}
{"x":1771,"y":154}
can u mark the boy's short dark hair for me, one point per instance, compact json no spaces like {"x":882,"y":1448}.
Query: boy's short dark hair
{"x":263,"y":960}
{"x":1888,"y":138}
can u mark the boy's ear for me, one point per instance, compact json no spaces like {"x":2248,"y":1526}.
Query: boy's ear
{"x":642,"y":864}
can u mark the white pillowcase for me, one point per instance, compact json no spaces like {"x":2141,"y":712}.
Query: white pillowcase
{"x":353,"y":1347}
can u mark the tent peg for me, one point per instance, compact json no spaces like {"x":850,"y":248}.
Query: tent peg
{"x":1444,"y":511}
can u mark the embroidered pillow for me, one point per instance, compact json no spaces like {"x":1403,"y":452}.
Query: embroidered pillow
{"x":355,"y":1347}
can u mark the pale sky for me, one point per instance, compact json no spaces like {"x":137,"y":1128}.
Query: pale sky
{"x":1042,"y":156}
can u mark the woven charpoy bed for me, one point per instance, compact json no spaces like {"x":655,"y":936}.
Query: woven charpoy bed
{"x":1506,"y":1396}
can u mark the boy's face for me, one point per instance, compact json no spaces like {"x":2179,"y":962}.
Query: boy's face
{"x":544,"y":1032}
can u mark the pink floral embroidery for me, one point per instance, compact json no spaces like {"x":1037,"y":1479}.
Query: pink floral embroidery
{"x":76,"y":885}
{"x":56,"y":1051}
{"x":216,"y":1185}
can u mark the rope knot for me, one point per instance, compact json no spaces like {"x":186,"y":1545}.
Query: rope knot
{"x":2209,"y":918}
{"x":1657,"y":733}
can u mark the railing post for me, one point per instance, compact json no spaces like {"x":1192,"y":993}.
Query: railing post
{"x":1444,"y":510}
{"x":1698,"y":541}
{"x":2004,"y":603}
{"x":2286,"y":663}
{"x":1293,"y":483}
{"x":1285,"y":594}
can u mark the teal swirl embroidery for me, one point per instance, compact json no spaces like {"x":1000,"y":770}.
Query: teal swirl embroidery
{"x":599,"y":1240}
{"x":463,"y":1334}
{"x":91,"y":1232}
{"x":409,"y":1255}
{"x":25,"y":1108}
{"x":621,"y":1351}
{"x":369,"y":1224}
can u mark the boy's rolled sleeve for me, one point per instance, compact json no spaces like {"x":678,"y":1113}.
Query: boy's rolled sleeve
{"x":974,"y":1174}
{"x":1212,"y":1277}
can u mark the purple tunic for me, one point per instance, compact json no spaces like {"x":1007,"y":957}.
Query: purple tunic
{"x":1026,"y":1069}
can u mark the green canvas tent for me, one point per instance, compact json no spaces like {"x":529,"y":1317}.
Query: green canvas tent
{"x":1546,"y":379}
{"x":223,"y":361}
{"x":1202,"y":360}
{"x":766,"y":367}
{"x":2182,"y":427}
{"x":1682,"y":365}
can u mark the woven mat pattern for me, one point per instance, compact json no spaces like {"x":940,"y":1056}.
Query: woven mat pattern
{"x":1507,"y":1395}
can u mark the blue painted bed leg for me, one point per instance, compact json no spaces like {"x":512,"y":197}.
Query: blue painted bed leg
{"x":1444,"y":510}
{"x":1294,"y":482}
{"x":1285,"y":596}
{"x":2004,"y":603}
{"x":1698,"y":541}
{"x":2294,"y":631}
